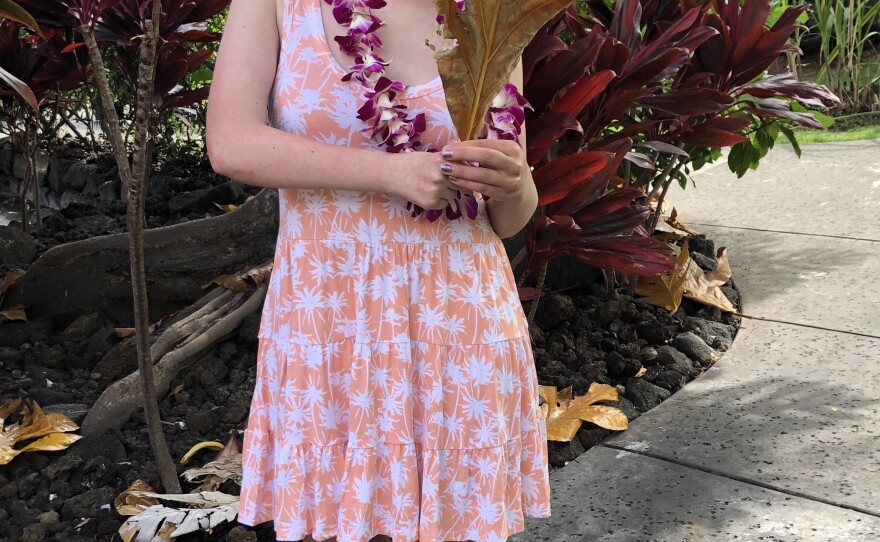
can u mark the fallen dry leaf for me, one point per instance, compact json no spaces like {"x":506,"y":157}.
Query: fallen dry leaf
{"x":226,"y":208}
{"x":225,"y":466}
{"x":705,"y":287}
{"x":10,"y":279}
{"x":160,"y":523}
{"x":244,"y":281}
{"x":491,"y":36}
{"x":49,"y":429}
{"x":133,"y":501}
{"x":565,"y":414}
{"x":15,"y":312}
{"x":8,"y":408}
{"x":666,"y":289}
{"x":672,"y":220}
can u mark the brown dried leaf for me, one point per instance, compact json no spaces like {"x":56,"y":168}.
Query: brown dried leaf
{"x":8,"y":408}
{"x":15,"y":312}
{"x":34,"y":425}
{"x":226,"y":208}
{"x":564,"y":417}
{"x":215,"y":473}
{"x":491,"y":36}
{"x":244,"y":281}
{"x":132,"y":501}
{"x":666,"y":289}
{"x":704,"y":287}
{"x":8,"y":280}
{"x":672,"y":220}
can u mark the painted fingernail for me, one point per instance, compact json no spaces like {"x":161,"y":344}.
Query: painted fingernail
{"x":446,"y":168}
{"x":447,"y":153}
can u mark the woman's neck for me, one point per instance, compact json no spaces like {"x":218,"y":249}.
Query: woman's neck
{"x":407,"y":26}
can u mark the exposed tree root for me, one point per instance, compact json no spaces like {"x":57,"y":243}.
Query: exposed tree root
{"x":207,"y":322}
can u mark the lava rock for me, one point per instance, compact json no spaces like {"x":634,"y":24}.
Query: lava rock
{"x":48,"y":396}
{"x":202,"y":421}
{"x":78,"y":174}
{"x":704,"y":262}
{"x":648,"y":355}
{"x":732,"y":294}
{"x":560,"y":453}
{"x":11,"y":356}
{"x":621,"y":366}
{"x":590,"y":435}
{"x":553,"y":310}
{"x":668,"y":379}
{"x":83,"y":327}
{"x":62,"y":465}
{"x":88,"y":504}
{"x":715,"y":334}
{"x":58,"y":168}
{"x":609,"y":312}
{"x":701,"y":245}
{"x":644,"y":395}
{"x":162,"y":184}
{"x":236,"y":411}
{"x":49,"y":518}
{"x":650,"y":329}
{"x":28,"y":485}
{"x":96,"y":472}
{"x":240,"y":534}
{"x":248,"y":331}
{"x":106,"y":444}
{"x":34,"y":533}
{"x":695,"y":348}
{"x":709,"y":313}
{"x":16,"y":247}
{"x":200,"y":201}
{"x":669,"y":357}
{"x":211,"y":372}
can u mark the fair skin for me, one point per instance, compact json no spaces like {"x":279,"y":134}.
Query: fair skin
{"x":243,"y":146}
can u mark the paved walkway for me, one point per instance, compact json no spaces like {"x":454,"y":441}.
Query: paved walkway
{"x":779,"y":440}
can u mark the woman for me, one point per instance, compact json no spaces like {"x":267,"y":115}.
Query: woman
{"x":396,"y":393}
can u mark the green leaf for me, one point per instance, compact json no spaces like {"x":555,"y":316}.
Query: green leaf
{"x":789,"y":133}
{"x":826,"y":120}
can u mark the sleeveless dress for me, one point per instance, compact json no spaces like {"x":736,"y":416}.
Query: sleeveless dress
{"x":396,"y":391}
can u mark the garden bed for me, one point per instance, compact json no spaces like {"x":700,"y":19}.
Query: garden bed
{"x":580,"y":336}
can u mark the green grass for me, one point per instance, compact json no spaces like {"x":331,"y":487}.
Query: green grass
{"x":805,"y":137}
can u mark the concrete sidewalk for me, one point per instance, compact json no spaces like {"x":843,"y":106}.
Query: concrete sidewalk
{"x":779,"y":440}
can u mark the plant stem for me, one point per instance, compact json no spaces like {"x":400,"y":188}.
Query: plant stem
{"x":143,"y":134}
{"x":117,"y":143}
{"x":666,"y":185}
{"x":533,"y":308}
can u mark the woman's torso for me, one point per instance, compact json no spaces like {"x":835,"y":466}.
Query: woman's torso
{"x":451,"y":274}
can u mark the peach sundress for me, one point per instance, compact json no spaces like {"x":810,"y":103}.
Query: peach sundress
{"x":396,"y":391}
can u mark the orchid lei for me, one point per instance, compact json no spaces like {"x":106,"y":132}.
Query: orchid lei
{"x":388,"y":122}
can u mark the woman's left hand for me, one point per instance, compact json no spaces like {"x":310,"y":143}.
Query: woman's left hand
{"x":502,"y":165}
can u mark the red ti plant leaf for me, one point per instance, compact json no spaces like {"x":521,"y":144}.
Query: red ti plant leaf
{"x":688,"y":101}
{"x":545,"y":130}
{"x":712,"y":138}
{"x":13,"y":12}
{"x":559,"y":177}
{"x":578,"y":95}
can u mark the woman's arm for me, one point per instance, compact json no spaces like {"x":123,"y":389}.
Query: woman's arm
{"x":243,"y":146}
{"x":506,"y":177}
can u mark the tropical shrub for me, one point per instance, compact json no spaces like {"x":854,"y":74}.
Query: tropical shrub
{"x":45,"y":66}
{"x":628,"y":98}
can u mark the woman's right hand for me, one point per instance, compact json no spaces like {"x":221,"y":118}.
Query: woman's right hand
{"x":417,"y":177}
